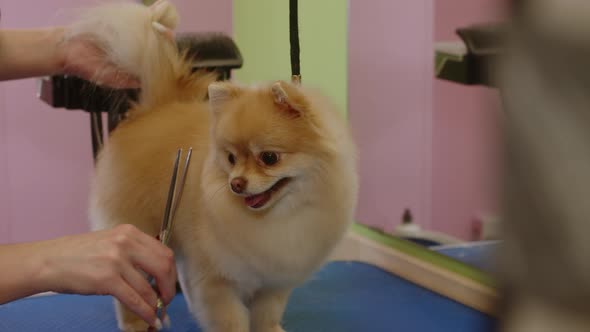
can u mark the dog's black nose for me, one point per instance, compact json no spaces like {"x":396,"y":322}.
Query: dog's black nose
{"x":238,"y":185}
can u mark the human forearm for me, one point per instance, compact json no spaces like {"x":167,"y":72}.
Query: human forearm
{"x":30,"y":53}
{"x":103,"y":262}
{"x":22,"y":266}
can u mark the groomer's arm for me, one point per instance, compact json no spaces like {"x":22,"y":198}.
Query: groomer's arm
{"x":31,"y":53}
{"x":45,"y":52}
{"x":103,"y":262}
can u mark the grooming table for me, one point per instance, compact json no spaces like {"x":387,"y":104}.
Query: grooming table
{"x":343,"y":296}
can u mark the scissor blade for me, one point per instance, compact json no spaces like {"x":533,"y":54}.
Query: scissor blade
{"x":178,"y":195}
{"x":171,"y":191}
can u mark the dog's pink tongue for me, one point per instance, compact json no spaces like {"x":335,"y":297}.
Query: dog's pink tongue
{"x":257,"y":200}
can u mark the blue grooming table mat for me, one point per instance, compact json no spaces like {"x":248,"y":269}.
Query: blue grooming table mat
{"x":341,"y":297}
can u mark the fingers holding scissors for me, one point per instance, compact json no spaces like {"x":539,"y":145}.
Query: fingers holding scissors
{"x":156,"y":260}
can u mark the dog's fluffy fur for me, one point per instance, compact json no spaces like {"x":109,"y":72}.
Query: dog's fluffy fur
{"x":238,"y":254}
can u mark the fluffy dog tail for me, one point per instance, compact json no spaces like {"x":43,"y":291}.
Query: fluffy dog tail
{"x":140,"y":41}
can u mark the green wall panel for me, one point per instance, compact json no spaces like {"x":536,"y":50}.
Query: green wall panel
{"x":261,"y":30}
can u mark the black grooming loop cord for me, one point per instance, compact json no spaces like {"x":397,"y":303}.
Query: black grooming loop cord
{"x":294,"y":41}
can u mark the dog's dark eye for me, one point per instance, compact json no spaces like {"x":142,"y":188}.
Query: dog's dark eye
{"x":231,"y":158}
{"x":269,"y":158}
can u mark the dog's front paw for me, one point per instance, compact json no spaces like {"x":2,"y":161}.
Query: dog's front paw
{"x":133,"y":326}
{"x":275,"y":328}
{"x":167,"y":322}
{"x":141,"y":326}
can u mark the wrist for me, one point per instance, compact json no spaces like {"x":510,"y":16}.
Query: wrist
{"x":42,"y":270}
{"x":58,"y":62}
{"x":25,"y":273}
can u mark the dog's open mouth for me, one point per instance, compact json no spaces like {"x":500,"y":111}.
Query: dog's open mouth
{"x":259,"y":200}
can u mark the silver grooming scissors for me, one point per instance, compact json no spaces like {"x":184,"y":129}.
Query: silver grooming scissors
{"x":172,"y":202}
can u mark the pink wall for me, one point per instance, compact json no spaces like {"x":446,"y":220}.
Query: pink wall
{"x":390,"y":104}
{"x":465,"y":132}
{"x":45,"y":153}
{"x":425,"y":144}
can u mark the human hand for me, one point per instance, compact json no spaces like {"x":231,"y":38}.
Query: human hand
{"x":83,"y":58}
{"x":111,"y":262}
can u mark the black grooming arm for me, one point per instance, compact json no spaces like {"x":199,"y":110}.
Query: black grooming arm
{"x":211,"y":51}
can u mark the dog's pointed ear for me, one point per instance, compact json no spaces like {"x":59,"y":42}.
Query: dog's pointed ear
{"x":219,"y":94}
{"x":289,"y":99}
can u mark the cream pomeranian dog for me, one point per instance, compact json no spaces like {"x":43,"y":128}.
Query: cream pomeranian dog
{"x":270,"y":191}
